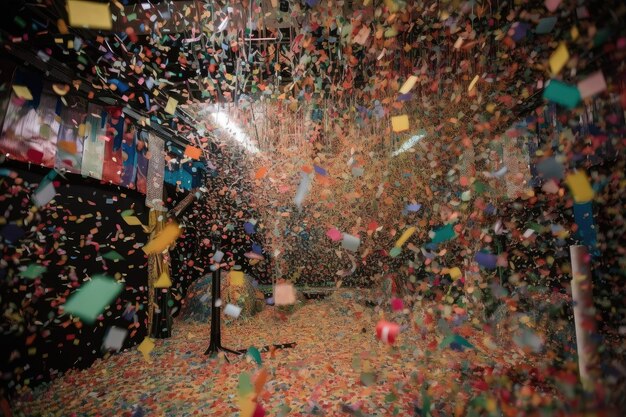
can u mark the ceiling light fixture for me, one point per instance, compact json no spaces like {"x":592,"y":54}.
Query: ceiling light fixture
{"x":223,"y":121}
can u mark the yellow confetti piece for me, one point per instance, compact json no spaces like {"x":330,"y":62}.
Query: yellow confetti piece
{"x":236,"y":278}
{"x":163,"y":240}
{"x":455,"y":273}
{"x":164,"y":281}
{"x":400,"y":123}
{"x":132,"y":220}
{"x":22,"y":92}
{"x":405,"y":236}
{"x":559,"y":58}
{"x":247,"y":405}
{"x":473,"y":83}
{"x":89,"y":14}
{"x":170,"y":108}
{"x":578,"y":184}
{"x":408,"y":84}
{"x":145,"y":347}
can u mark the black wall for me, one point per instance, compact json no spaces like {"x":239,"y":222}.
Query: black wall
{"x":38,"y":342}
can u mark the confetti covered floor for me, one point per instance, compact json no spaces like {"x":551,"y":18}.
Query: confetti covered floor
{"x":337,"y":368}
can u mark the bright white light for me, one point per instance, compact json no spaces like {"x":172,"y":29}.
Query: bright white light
{"x":409,"y":144}
{"x":224,"y":122}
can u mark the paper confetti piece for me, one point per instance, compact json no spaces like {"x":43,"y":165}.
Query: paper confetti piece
{"x":400,"y":123}
{"x":89,"y":14}
{"x":387,"y":332}
{"x":114,"y":339}
{"x":164,"y":239}
{"x":132,"y":220}
{"x":260,"y":380}
{"x":193,"y":152}
{"x":218,"y":256}
{"x":472,"y":84}
{"x":486,"y":260}
{"x":559,"y":58}
{"x":261,"y":173}
{"x":397,"y":304}
{"x":44,"y":194}
{"x":351,"y":242}
{"x":146,"y":347}
{"x":232,"y":310}
{"x":92,"y":297}
{"x":236,"y":278}
{"x":362,"y":36}
{"x":443,"y":234}
{"x":455,"y":273}
{"x":33,"y":271}
{"x":580,"y":187}
{"x":303,"y":189}
{"x":551,"y":5}
{"x":244,"y":386}
{"x":334,"y":235}
{"x":255,"y":355}
{"x":408,"y":84}
{"x":455,"y":342}
{"x":592,"y":85}
{"x":545,"y":25}
{"x":561,"y":93}
{"x":22,"y":92}
{"x":164,"y":281}
{"x":113,"y":256}
{"x":284,"y":294}
{"x":405,"y":236}
{"x":170,"y":107}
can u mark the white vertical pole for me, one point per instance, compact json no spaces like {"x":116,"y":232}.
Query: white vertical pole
{"x":584,"y":321}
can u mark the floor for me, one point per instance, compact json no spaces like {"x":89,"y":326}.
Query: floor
{"x":337,"y":368}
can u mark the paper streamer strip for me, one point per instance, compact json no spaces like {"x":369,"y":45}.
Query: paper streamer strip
{"x":303,"y":189}
{"x":405,"y":236}
{"x":93,"y":147}
{"x":154,"y":191}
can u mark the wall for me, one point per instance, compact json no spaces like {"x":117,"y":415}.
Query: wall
{"x":74,"y":238}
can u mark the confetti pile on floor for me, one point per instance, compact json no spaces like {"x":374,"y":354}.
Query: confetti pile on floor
{"x":338,"y":367}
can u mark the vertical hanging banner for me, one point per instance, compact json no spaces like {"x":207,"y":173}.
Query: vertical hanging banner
{"x":156,"y":167}
{"x":93,"y":146}
{"x":72,"y":135}
{"x":129,"y":156}
{"x":7,"y":69}
{"x":141,"y":143}
{"x":113,"y":164}
{"x":31,"y":124}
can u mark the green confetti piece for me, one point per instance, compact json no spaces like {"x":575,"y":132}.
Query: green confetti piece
{"x":561,"y":93}
{"x":20,"y":22}
{"x":33,"y":271}
{"x":90,"y":300}
{"x":395,"y":251}
{"x":113,"y":256}
{"x":244,"y":387}
{"x":391,"y":397}
{"x":368,"y":378}
{"x":254,"y":354}
{"x":444,"y":233}
{"x":126,"y":213}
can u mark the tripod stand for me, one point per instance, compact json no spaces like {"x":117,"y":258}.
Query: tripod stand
{"x":215,"y":343}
